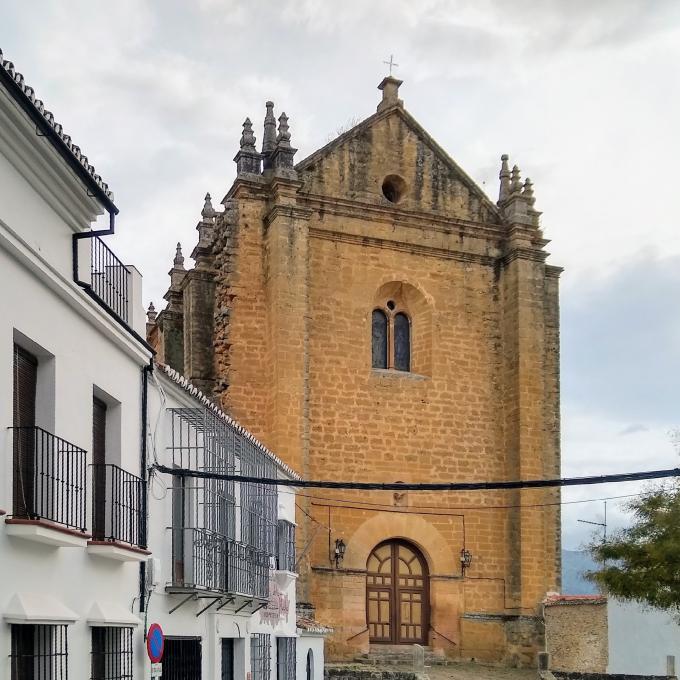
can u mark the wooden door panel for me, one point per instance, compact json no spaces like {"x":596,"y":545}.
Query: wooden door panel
{"x":396,"y":595}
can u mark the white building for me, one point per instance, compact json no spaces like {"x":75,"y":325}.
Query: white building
{"x":95,"y":542}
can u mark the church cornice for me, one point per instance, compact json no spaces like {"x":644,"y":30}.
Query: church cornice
{"x":290,"y":211}
{"x":416,"y":249}
{"x":403,"y":218}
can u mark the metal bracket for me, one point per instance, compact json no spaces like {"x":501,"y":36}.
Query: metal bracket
{"x":229,"y":600}
{"x":243,"y":606}
{"x":215,"y":601}
{"x":192,"y":596}
{"x":259,"y":606}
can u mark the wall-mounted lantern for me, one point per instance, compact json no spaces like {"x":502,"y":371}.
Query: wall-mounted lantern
{"x":465,"y":559}
{"x":340,"y":548}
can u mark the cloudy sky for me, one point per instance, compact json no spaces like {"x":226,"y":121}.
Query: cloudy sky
{"x":584,"y":96}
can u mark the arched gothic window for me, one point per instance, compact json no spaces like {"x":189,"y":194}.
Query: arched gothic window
{"x":379,"y":339}
{"x":391,"y":338}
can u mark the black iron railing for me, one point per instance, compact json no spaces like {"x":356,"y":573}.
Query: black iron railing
{"x":117,"y":506}
{"x":110,"y":278}
{"x":50,"y":480}
{"x":205,"y":560}
{"x":286,"y":546}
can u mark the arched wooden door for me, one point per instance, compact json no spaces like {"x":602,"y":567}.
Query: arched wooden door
{"x":397,"y":597}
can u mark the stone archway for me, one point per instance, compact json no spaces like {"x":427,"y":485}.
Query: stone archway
{"x":397,"y":594}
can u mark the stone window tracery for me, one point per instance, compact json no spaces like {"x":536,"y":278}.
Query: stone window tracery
{"x":391,"y":337}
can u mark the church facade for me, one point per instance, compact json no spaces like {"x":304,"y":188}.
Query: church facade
{"x":371,"y":315}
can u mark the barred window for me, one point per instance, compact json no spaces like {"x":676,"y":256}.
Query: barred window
{"x":286,"y":552}
{"x":285,"y":658}
{"x":259,"y":656}
{"x":39,"y":652}
{"x":111,"y":653}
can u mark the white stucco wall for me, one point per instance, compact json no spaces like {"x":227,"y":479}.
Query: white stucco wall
{"x":310,"y":643}
{"x":640,"y":639}
{"x":80,"y":351}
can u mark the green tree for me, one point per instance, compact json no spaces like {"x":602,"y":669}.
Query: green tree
{"x":642,"y":561}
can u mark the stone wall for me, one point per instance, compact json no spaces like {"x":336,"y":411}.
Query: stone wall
{"x":563,"y":675}
{"x":576,"y":633}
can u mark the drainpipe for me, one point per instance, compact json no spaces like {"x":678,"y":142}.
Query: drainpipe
{"x":146,"y":372}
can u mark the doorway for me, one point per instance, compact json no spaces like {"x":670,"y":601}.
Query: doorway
{"x":397,"y":594}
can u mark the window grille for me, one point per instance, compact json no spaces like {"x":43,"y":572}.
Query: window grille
{"x":223,"y":533}
{"x":111,"y":653}
{"x":285,"y":658}
{"x":182,"y":659}
{"x":286,"y":552}
{"x":259,"y":656}
{"x":39,"y":652}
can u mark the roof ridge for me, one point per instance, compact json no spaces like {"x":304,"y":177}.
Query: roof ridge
{"x":29,"y":93}
{"x":187,"y":386}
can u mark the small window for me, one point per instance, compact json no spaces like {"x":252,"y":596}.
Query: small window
{"x":379,"y":339}
{"x":259,"y":656}
{"x":286,"y":547}
{"x":393,"y":188}
{"x":285,"y":658}
{"x":310,"y":665}
{"x":111,"y":653}
{"x":391,"y":338}
{"x":38,"y":652}
{"x":402,"y":342}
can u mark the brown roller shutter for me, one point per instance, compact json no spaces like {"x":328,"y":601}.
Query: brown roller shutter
{"x":25,"y":382}
{"x":99,"y":469}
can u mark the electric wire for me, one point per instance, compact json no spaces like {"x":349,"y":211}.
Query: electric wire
{"x":429,"y":486}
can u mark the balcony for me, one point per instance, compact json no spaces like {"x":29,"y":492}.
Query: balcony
{"x":208,"y":563}
{"x":118,"y":517}
{"x":109,"y":278}
{"x":49,"y":489}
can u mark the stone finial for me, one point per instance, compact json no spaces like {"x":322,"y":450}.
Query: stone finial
{"x":208,"y":210}
{"x":269,"y":137}
{"x":151,"y":313}
{"x":528,"y":191}
{"x":390,"y":91}
{"x":516,"y":181}
{"x":178,"y":262}
{"x":247,"y":136}
{"x":504,"y":176}
{"x":247,"y":159}
{"x":283,"y":138}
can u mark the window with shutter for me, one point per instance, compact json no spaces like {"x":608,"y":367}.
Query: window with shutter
{"x":99,"y":469}
{"x":24,"y":389}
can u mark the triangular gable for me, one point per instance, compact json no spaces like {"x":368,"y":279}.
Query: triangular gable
{"x":391,"y":142}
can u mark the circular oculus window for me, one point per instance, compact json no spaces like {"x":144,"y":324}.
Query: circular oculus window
{"x":393,"y":188}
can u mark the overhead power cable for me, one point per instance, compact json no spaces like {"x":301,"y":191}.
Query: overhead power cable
{"x":427,"y":486}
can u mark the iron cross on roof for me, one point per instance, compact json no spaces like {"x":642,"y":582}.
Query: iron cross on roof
{"x":391,"y":63}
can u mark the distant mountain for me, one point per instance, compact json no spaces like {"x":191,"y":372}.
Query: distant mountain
{"x":574,"y":564}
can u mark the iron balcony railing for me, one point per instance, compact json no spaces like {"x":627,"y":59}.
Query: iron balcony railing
{"x":208,"y":561}
{"x":285,"y":559}
{"x":110,"y":278}
{"x":118,"y":505}
{"x":50,"y":478}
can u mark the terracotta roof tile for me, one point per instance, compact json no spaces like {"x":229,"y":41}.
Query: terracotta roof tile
{"x":39,"y":106}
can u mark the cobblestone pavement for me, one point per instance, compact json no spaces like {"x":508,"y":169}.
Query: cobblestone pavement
{"x":475,"y":671}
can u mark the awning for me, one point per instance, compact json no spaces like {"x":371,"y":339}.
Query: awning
{"x":38,"y":608}
{"x":105,"y":613}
